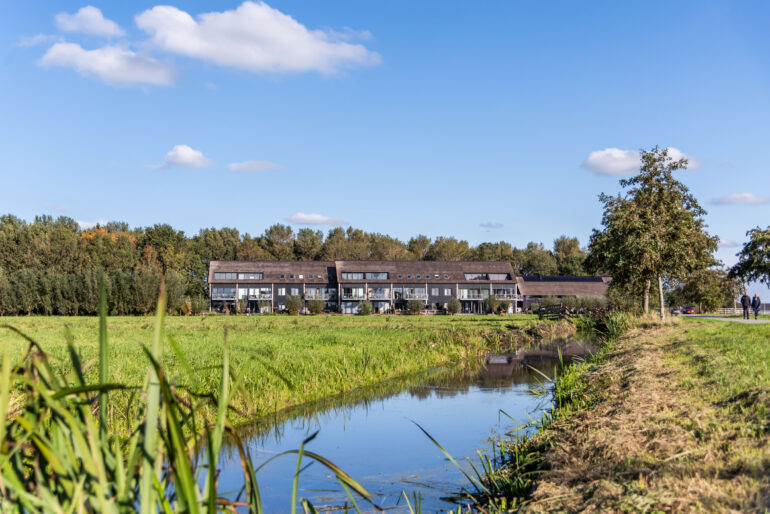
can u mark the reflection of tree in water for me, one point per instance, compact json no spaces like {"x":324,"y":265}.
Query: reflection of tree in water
{"x":438,"y":383}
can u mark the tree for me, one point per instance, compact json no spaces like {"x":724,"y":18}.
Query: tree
{"x":493,"y":303}
{"x":316,"y":306}
{"x":415,"y":306}
{"x":654,"y":231}
{"x":365,"y":308}
{"x":453,"y":306}
{"x":278,"y":240}
{"x":419,"y":246}
{"x":538,"y":261}
{"x":448,"y":249}
{"x":293,"y":304}
{"x":709,"y":289}
{"x":569,"y":256}
{"x":308,"y":244}
{"x":754,"y":259}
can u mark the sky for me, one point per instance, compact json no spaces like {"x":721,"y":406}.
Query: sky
{"x":486,"y":121}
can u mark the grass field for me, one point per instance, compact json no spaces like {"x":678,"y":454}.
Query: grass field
{"x":670,"y":418}
{"x":282,"y":360}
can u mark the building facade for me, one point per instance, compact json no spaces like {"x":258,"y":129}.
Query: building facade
{"x":264,"y":286}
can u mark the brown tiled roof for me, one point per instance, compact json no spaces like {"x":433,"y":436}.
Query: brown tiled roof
{"x":273,"y":270}
{"x":563,"y":286}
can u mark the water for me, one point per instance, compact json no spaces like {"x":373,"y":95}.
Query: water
{"x":371,"y":433}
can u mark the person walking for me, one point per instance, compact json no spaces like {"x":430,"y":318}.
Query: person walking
{"x":756,"y":303}
{"x":745,"y":303}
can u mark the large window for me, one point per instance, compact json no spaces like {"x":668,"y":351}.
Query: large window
{"x":447,"y":292}
{"x":434,"y":291}
{"x":294,"y":291}
{"x":260,"y":293}
{"x":379,"y":293}
{"x":473,"y":293}
{"x":352,"y":276}
{"x":353,"y":293}
{"x":318,"y":293}
{"x":475,"y":276}
{"x":249,"y":276}
{"x":498,"y":276}
{"x":224,"y":276}
{"x":415,"y":293}
{"x":377,"y":276}
{"x":281,"y":291}
{"x":504,"y":292}
{"x":223,"y":293}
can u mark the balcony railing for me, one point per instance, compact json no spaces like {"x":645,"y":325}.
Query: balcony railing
{"x":507,"y":296}
{"x":353,"y":296}
{"x":262,"y":296}
{"x":222,"y":296}
{"x":317,"y":296}
{"x":415,"y":296}
{"x":379,"y":296}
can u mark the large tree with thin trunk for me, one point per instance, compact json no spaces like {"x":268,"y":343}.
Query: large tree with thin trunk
{"x":653,"y":230}
{"x":754,"y":259}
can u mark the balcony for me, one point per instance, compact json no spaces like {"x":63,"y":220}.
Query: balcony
{"x":415,"y":296}
{"x":222,"y":296}
{"x":262,"y":296}
{"x":379,"y":296}
{"x":507,"y":296}
{"x":317,"y":296}
{"x":354,"y":296}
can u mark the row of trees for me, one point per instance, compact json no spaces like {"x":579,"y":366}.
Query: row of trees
{"x":47,"y":266}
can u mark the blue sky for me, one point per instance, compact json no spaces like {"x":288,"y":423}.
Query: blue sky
{"x":486,"y":121}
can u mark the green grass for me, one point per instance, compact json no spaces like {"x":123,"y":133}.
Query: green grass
{"x":282,"y":360}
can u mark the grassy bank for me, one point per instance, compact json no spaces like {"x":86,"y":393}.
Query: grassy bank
{"x":667,"y":418}
{"x":282,"y":360}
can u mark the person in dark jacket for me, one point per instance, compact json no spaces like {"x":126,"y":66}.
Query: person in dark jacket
{"x":745,"y":303}
{"x":756,"y":303}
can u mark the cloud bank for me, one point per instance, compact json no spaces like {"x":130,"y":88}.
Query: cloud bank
{"x":742,"y":199}
{"x":622,"y":163}
{"x":302,"y":218}
{"x":88,"y":20}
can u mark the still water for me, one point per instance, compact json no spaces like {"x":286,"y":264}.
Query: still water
{"x":371,"y":433}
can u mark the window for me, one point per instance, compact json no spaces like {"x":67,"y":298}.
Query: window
{"x":224,"y":276}
{"x":243,"y":293}
{"x":446,"y":277}
{"x":281,"y":291}
{"x":436,"y":276}
{"x":400,"y":275}
{"x":222,"y":293}
{"x":418,"y":276}
{"x":291,"y":276}
{"x":294,"y":291}
{"x":377,"y":276}
{"x":447,"y":292}
{"x":353,"y":293}
{"x":320,"y":277}
{"x":498,"y":276}
{"x":302,"y":276}
{"x":475,"y":276}
{"x":352,"y":276}
{"x":409,"y":276}
{"x":249,"y":276}
{"x":434,"y":291}
{"x":283,"y":276}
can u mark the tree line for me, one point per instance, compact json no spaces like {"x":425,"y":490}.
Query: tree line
{"x":53,"y":266}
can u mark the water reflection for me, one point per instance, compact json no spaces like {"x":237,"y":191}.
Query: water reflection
{"x":370,"y":432}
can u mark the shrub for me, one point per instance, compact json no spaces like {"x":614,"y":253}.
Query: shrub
{"x":492,"y":304}
{"x":549,"y":301}
{"x":454,"y":306}
{"x":505,"y":305}
{"x":293,"y":304}
{"x":534,"y":307}
{"x":240,"y":306}
{"x":365,"y":308}
{"x":414,"y":306}
{"x":316,"y":306}
{"x":199,"y":304}
{"x":570,"y":302}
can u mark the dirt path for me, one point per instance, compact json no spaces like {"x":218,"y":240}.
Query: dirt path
{"x":751,"y":321}
{"x":650,"y":442}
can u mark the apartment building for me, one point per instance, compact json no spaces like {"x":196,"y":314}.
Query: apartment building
{"x":264,"y":286}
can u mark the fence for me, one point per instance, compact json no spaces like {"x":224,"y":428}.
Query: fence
{"x":764,"y":309}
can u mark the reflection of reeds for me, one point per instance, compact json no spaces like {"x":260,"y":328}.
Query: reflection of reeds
{"x":58,"y":453}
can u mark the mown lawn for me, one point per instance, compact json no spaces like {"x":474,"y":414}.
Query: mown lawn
{"x":282,"y":360}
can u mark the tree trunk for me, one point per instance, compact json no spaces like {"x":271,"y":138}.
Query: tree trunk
{"x":660,"y":294}
{"x":647,"y":298}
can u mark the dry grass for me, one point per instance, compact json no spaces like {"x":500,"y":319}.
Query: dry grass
{"x":657,"y":438}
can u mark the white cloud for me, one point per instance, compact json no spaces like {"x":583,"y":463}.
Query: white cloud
{"x":742,"y":198}
{"x":186,"y":156}
{"x":727,"y":243}
{"x":37,"y":39}
{"x":491,"y":225}
{"x":613,"y":161}
{"x":620,"y":163}
{"x":88,"y":20}
{"x":253,"y":37}
{"x":112,"y":64}
{"x":302,"y":218}
{"x":255,"y":166}
{"x":87,"y":225}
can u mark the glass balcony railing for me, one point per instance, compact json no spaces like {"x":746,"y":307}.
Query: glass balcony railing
{"x":354,"y":296}
{"x":379,"y":296}
{"x":261,"y":296}
{"x":507,"y":296}
{"x":415,"y":296}
{"x":317,"y":296}
{"x":222,"y":296}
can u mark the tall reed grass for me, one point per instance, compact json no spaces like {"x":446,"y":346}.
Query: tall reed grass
{"x":59,"y":454}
